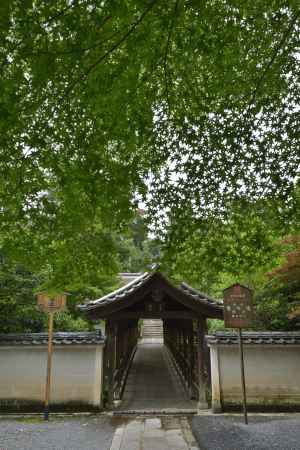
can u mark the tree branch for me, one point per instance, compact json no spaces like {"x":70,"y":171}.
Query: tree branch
{"x":46,"y":22}
{"x":118,"y":44}
{"x":70,"y":52}
{"x":274,"y":56}
{"x":60,"y":13}
{"x":165,"y":64}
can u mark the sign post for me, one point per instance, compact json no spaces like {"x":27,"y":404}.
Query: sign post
{"x":238,"y":313}
{"x":243,"y":376}
{"x":50,"y":306}
{"x":49,"y":364}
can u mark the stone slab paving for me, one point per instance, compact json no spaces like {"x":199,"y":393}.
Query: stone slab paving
{"x":152,"y":382}
{"x":264,"y":432}
{"x":154,"y":434}
{"x":67,"y":433}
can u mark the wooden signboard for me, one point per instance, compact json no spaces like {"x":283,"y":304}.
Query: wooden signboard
{"x":238,"y":313}
{"x":51,"y":306}
{"x":238,"y":309}
{"x":47,"y":304}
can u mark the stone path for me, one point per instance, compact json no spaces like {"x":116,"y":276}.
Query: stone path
{"x":152,"y":382}
{"x":167,"y":433}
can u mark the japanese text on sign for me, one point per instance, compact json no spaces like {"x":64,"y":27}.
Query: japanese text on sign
{"x":238,"y":311}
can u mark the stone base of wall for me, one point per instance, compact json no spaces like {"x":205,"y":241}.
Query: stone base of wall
{"x":260,"y":406}
{"x":268,"y":401}
{"x":20,"y":406}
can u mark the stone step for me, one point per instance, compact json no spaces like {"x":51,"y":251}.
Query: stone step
{"x":153,"y":331}
{"x":151,"y":335}
{"x":152,"y":328}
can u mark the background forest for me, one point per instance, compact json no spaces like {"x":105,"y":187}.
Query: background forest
{"x":258,"y":257}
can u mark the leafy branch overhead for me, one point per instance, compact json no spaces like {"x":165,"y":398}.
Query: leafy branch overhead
{"x":189,"y":105}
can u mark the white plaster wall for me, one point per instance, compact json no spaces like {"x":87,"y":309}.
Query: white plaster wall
{"x":271,"y":372}
{"x":76,"y":374}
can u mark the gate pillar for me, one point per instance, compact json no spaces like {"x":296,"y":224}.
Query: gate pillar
{"x":111,"y":331}
{"x":202,"y":369}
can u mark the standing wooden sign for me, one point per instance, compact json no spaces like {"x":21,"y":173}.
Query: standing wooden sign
{"x":50,"y":306}
{"x":238,"y":313}
{"x":238,"y":309}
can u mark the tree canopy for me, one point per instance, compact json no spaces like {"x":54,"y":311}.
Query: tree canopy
{"x":133,"y":252}
{"x":191,"y":106}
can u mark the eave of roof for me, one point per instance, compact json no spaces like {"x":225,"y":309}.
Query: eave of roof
{"x":200,"y":295}
{"x":116,"y":295}
{"x":255,"y":338}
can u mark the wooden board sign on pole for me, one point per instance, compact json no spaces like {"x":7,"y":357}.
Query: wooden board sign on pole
{"x":238,"y":309}
{"x":238,"y":313}
{"x":50,"y":306}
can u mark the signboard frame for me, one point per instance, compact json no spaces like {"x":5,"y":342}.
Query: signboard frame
{"x":51,"y":304}
{"x":238,"y":313}
{"x":238,"y":306}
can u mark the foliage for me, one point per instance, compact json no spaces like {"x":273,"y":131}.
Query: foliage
{"x":278,"y":304}
{"x":214,"y":325}
{"x":137,"y":251}
{"x":273,"y":304}
{"x":219,"y":253}
{"x":250,"y":249}
{"x":190,"y":105}
{"x":18,"y":310}
{"x":289,"y":272}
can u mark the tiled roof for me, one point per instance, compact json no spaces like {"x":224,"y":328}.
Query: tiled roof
{"x":256,"y":338}
{"x":119,"y":294}
{"x":197,"y":295}
{"x":141,"y":280}
{"x":59,"y":338}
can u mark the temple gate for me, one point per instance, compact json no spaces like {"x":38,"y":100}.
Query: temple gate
{"x":184,"y":312}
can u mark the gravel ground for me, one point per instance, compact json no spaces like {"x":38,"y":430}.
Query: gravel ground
{"x":262,"y":433}
{"x":72,"y":433}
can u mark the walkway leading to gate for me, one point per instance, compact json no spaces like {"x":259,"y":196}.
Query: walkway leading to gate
{"x":152,"y":382}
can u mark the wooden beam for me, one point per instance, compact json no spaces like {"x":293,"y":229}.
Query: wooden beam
{"x":122,"y":315}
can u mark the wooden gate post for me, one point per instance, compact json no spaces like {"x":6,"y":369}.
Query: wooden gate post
{"x":191,"y":358}
{"x":110,"y":353}
{"x":115,"y":360}
{"x":202,"y":376}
